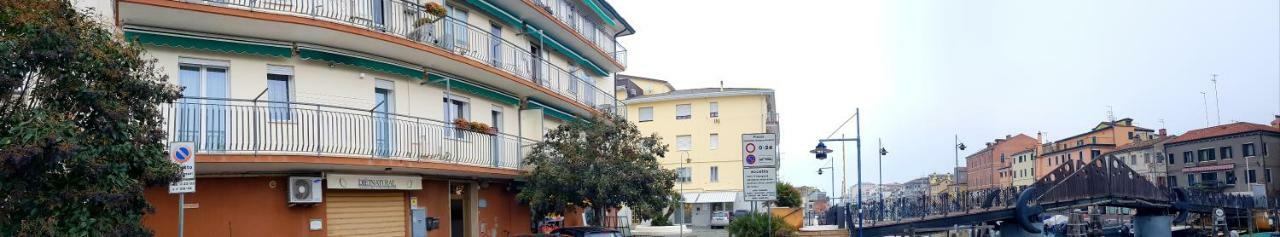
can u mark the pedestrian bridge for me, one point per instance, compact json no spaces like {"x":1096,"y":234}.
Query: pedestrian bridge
{"x":1101,"y":182}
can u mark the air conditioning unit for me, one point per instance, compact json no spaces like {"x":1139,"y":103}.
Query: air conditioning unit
{"x":305,"y":189}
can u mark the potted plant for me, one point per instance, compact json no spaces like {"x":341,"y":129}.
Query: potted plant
{"x":436,"y":10}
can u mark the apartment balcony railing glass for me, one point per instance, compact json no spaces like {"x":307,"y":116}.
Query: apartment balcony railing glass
{"x":568,"y":14}
{"x":233,"y":126}
{"x":411,"y":21}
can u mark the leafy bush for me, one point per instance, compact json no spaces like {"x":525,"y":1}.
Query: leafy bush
{"x":660,"y":220}
{"x":788,"y":196}
{"x":759,"y":224}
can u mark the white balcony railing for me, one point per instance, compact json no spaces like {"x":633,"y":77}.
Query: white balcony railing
{"x":567,"y":13}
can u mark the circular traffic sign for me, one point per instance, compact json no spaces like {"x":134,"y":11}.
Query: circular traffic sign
{"x":751,"y":159}
{"x":751,"y":147}
{"x":182,"y":154}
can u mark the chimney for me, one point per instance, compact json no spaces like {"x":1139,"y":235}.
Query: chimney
{"x":1276,"y":122}
{"x":721,"y":86}
{"x":1007,"y":136}
{"x":1163,"y":133}
{"x":1039,"y":138}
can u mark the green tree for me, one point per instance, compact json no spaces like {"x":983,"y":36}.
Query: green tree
{"x":79,"y":124}
{"x":788,"y":196}
{"x":599,"y":164}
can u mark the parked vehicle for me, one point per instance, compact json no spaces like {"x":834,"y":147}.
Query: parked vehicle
{"x":719,"y":219}
{"x":737,"y":213}
{"x":587,"y":231}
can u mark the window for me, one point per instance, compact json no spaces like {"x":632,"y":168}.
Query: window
{"x":1247,"y":150}
{"x":1133,"y":160}
{"x":715,"y":174}
{"x":455,"y":108}
{"x":1173,"y":181}
{"x":1226,"y":152}
{"x":715,"y":109}
{"x":1231,"y":177}
{"x":1187,"y":157}
{"x":684,"y":111}
{"x":1170,"y":158}
{"x":278,"y":94}
{"x":1146,"y":158}
{"x":646,"y":114}
{"x":1208,"y":178}
{"x":684,"y":142}
{"x":495,"y":44}
{"x":715,"y":141}
{"x":1266,"y":175}
{"x":1208,"y":154}
{"x":1251,"y":176}
{"x":1191,"y":180}
{"x":202,"y":121}
{"x":685,"y":175}
{"x":459,"y":27}
{"x":1093,"y":154}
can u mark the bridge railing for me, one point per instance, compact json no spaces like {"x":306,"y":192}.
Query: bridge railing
{"x":917,"y":206}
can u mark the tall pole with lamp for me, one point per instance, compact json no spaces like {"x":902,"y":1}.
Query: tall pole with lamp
{"x":880,"y":172}
{"x":684,"y":158}
{"x":821,"y":153}
{"x":956,"y":176}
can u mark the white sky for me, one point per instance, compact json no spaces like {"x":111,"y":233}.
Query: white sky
{"x":922,"y":71}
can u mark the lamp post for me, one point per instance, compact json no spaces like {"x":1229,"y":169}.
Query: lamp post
{"x":880,"y":172}
{"x":821,"y":153}
{"x":684,"y":158}
{"x":833,"y":176}
{"x":956,"y":172}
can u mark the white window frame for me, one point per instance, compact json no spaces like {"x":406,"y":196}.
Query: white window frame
{"x":450,"y":116}
{"x":715,"y":174}
{"x":684,"y":142}
{"x":714,"y":107}
{"x":642,"y":114}
{"x":714,"y":141}
{"x":288,"y":93}
{"x":686,"y":113}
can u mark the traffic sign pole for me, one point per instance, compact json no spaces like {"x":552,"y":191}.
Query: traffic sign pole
{"x":184,"y":155}
{"x":182,"y":211}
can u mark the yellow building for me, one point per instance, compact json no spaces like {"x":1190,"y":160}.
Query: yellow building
{"x":703,"y":129}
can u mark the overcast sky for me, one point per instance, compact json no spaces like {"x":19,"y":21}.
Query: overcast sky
{"x":922,"y":71}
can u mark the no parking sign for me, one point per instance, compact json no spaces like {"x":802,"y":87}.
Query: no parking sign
{"x":183,"y":154}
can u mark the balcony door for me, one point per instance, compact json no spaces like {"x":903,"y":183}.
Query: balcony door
{"x":383,"y":99}
{"x":535,"y":58}
{"x":456,"y":30}
{"x":203,"y":121}
{"x":496,"y":140}
{"x":495,"y":44}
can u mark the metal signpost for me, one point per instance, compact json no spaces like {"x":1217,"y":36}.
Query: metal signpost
{"x":183,"y":154}
{"x":760,"y":169}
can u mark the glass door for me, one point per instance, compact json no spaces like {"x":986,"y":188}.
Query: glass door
{"x":496,"y":140}
{"x":495,"y":44}
{"x":382,"y":124}
{"x":202,"y":121}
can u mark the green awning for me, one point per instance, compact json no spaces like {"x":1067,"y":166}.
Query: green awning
{"x":466,"y":87}
{"x":313,"y":54}
{"x":596,"y":8}
{"x":565,"y":50}
{"x":552,"y":111}
{"x":210,"y":44}
{"x":495,"y":11}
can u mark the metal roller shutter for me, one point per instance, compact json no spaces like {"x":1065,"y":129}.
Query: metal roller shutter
{"x":360,"y":213}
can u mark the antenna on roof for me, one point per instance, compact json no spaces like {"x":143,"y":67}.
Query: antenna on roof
{"x":721,"y":85}
{"x":1111,"y":116}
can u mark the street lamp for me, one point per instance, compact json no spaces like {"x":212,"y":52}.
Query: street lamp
{"x":821,"y":151}
{"x":684,"y":158}
{"x":956,"y":172}
{"x":880,"y":188}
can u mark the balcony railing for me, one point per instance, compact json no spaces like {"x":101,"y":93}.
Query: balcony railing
{"x":233,"y":126}
{"x":567,"y":14}
{"x":410,"y":21}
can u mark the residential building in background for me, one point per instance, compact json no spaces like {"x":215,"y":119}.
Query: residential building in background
{"x":627,"y":86}
{"x":1102,"y":138}
{"x":941,"y":183}
{"x":915,"y":188}
{"x":1230,"y":158}
{"x":341,"y":117}
{"x":1147,"y":157}
{"x":704,"y":129}
{"x":989,"y":167}
{"x":1024,"y":168}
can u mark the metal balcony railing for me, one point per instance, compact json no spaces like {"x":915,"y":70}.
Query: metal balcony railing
{"x":411,"y":21}
{"x":567,"y":13}
{"x":234,"y":126}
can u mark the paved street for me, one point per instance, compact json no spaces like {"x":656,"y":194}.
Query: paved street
{"x":701,"y":232}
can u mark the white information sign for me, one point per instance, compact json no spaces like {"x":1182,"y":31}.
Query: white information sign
{"x":375,"y":182}
{"x":759,"y":150}
{"x":183,"y":154}
{"x":760,"y":184}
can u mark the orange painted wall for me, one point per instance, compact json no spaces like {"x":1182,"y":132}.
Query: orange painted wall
{"x":503,"y":216}
{"x":434,"y":196}
{"x":232,"y":207}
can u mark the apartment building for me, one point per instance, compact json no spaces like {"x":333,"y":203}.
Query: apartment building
{"x":1023,"y":169}
{"x":627,"y":86}
{"x":1230,"y":158}
{"x":703,"y":128}
{"x":1102,"y":138}
{"x":989,"y":167}
{"x":1147,"y":157}
{"x":368,"y":117}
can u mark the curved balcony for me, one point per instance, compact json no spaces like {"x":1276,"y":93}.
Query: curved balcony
{"x":410,"y":21}
{"x":249,"y":127}
{"x":565,"y":13}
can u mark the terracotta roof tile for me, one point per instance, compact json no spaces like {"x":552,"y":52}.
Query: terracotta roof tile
{"x":1222,"y":130}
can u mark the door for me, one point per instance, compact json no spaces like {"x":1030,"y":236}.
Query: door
{"x":377,"y":8}
{"x":203,"y":121}
{"x":456,"y":29}
{"x":382,"y":123}
{"x":535,"y":55}
{"x":364,"y":213}
{"x":495,"y":44}
{"x":496,"y":140}
{"x":457,"y":225}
